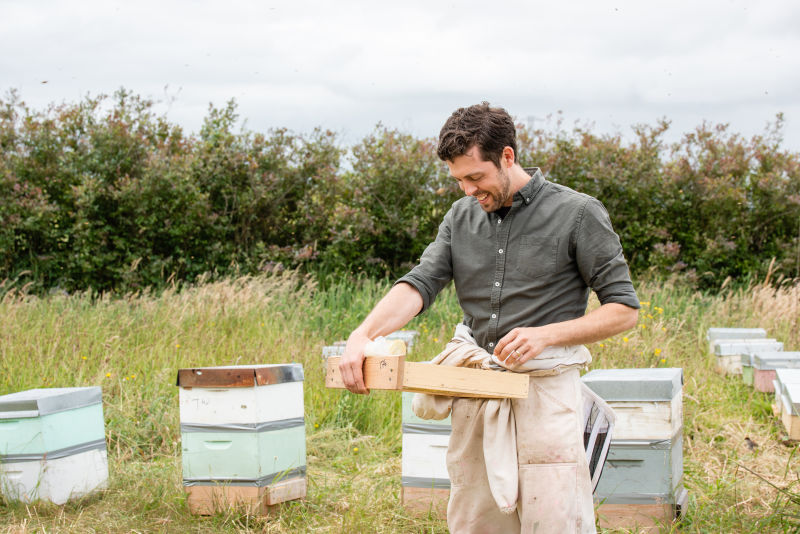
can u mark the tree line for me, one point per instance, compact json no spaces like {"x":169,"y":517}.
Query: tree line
{"x":105,"y":194}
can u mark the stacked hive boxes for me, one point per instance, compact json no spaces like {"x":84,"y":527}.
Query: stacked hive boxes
{"x":52,"y":444}
{"x":765,"y":365}
{"x":243,"y":436}
{"x":721,"y":334}
{"x":642,"y":481}
{"x":425,"y":482}
{"x":734,"y":356}
{"x":787,"y":400}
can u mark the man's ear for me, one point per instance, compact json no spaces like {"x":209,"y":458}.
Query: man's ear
{"x":507,"y":157}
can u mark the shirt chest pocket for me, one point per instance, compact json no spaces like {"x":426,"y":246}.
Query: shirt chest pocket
{"x":537,"y":255}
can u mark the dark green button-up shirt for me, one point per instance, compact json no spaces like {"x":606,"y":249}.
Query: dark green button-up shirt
{"x":533,"y":267}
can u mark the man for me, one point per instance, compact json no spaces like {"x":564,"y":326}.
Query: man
{"x":523,"y":253}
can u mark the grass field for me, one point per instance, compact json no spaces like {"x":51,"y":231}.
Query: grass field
{"x":133,"y":346}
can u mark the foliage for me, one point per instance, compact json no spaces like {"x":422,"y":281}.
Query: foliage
{"x":104,"y":194}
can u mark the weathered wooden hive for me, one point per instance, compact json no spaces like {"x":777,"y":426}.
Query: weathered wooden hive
{"x":52,"y":444}
{"x":720,"y":334}
{"x":243,"y":436}
{"x":766,"y":363}
{"x":730,"y":352}
{"x":642,"y":481}
{"x":787,"y":400}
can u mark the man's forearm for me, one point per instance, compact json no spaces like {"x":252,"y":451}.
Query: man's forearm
{"x":606,"y":321}
{"x":522,"y":344}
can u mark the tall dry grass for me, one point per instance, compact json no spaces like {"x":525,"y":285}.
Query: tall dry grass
{"x":133,"y":346}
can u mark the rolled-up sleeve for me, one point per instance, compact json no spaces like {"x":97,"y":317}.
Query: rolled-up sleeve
{"x":435,"y":267}
{"x":599,"y":256}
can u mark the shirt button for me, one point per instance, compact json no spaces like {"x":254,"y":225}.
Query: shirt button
{"x":491,"y":344}
{"x":497,"y":284}
{"x":500,"y":251}
{"x":527,"y":200}
{"x":499,"y":221}
{"x":494,"y":316}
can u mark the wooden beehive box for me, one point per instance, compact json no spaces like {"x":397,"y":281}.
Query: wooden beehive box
{"x":790,"y":410}
{"x":647,"y":402}
{"x":729,"y":352}
{"x":641,"y":483}
{"x":243,"y":436}
{"x":765,"y":364}
{"x":783,"y":377}
{"x":747,"y":369}
{"x":719,"y":334}
{"x":425,"y":481}
{"x":52,"y":444}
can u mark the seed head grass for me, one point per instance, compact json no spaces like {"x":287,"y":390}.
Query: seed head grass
{"x":132,"y":345}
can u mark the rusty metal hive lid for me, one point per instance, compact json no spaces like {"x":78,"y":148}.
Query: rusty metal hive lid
{"x":231,"y":376}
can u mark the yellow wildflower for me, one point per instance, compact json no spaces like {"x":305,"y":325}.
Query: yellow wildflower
{"x":624,"y":339}
{"x":602,"y":345}
{"x":663,"y":360}
{"x":178,"y":346}
{"x":108,"y":375}
{"x":355,"y":449}
{"x":83,"y":357}
{"x":657,"y":351}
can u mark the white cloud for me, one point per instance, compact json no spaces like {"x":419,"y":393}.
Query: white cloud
{"x":347,"y":65}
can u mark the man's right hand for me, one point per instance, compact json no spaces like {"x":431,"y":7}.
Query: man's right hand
{"x":352,"y":363}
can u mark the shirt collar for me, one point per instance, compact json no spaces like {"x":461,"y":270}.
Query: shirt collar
{"x":528,"y":192}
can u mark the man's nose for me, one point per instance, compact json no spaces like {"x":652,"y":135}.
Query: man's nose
{"x":469,"y":189}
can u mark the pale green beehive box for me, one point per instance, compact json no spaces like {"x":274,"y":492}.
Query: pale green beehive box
{"x":242,"y":425}
{"x":52,"y":444}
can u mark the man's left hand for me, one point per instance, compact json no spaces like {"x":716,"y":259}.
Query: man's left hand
{"x":520,"y":345}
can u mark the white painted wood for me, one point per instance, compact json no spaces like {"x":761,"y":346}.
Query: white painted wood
{"x":716,"y":334}
{"x":425,"y":455}
{"x":258,"y":404}
{"x":729,"y":364}
{"x":746,"y":346}
{"x":647,"y":420}
{"x":784,"y":377}
{"x":56,"y":480}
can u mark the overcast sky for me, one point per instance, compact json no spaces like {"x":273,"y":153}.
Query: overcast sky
{"x":346,"y":65}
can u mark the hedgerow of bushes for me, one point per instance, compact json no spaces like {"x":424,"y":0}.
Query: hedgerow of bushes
{"x":105,"y":194}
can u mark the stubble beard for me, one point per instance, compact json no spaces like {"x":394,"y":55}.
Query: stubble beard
{"x":503,"y":194}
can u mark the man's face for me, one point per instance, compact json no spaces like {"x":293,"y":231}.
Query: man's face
{"x":481,"y":179}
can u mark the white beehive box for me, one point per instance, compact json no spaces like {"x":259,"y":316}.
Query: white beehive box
{"x":641,"y":483}
{"x":790,"y":411}
{"x":425,"y":481}
{"x":243,"y":436}
{"x":52,"y":444}
{"x":729,"y":352}
{"x":718,"y":334}
{"x":647,"y":402}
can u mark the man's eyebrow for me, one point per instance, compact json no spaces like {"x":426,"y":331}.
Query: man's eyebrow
{"x":470,"y":175}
